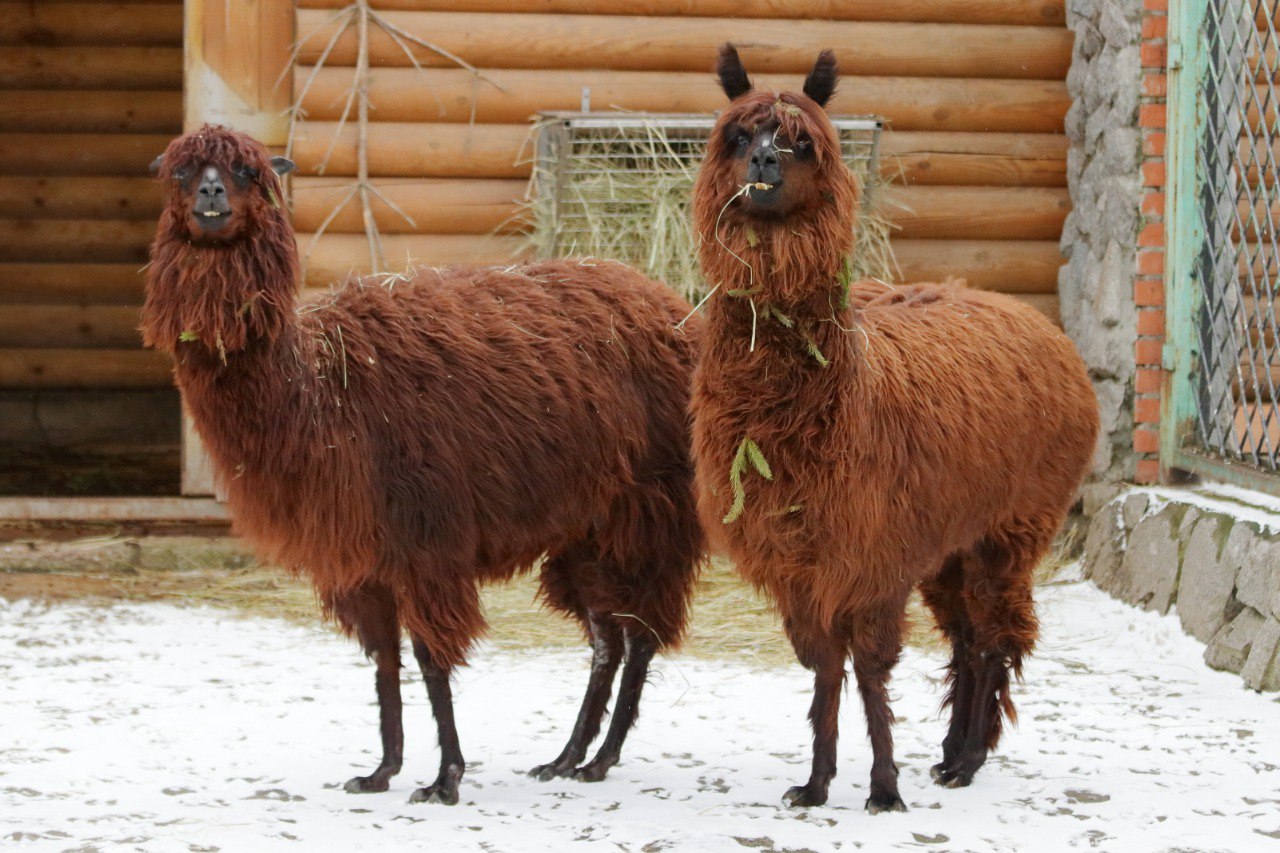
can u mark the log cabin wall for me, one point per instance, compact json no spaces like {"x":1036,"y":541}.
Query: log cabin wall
{"x":973,"y":91}
{"x":90,"y":92}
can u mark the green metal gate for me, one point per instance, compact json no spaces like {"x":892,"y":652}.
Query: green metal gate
{"x":1222,"y":409}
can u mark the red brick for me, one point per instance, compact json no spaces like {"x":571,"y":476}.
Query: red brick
{"x":1148,"y":380}
{"x":1146,"y":441}
{"x":1151,"y":322}
{"x":1155,"y":85}
{"x":1155,"y":27}
{"x":1153,"y":173}
{"x":1153,"y":204}
{"x":1147,"y":352}
{"x":1151,"y":115}
{"x":1146,"y":410}
{"x":1151,"y":234}
{"x":1147,"y":471}
{"x":1153,"y":144}
{"x":1155,"y":6}
{"x":1151,"y":262}
{"x":1153,"y":55}
{"x":1148,"y":292}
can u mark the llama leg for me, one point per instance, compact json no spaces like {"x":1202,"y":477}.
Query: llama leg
{"x":606,"y":655}
{"x":825,"y":655}
{"x":876,"y":642}
{"x":640,"y":648}
{"x":998,"y":599}
{"x":370,"y":612}
{"x":944,"y":596}
{"x":445,"y":788}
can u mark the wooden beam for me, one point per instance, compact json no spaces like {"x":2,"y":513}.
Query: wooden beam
{"x":63,"y":283}
{"x":84,"y":368}
{"x":36,"y":111}
{"x":337,"y":256}
{"x":1009,"y":266}
{"x":79,"y":198}
{"x":110,"y":241}
{"x":98,"y":67}
{"x":70,"y":327}
{"x":417,"y":150}
{"x":43,"y":154}
{"x":689,"y":44}
{"x":63,"y":24}
{"x":113,"y":509}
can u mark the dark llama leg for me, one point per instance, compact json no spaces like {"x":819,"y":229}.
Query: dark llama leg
{"x":640,"y":648}
{"x":445,"y":788}
{"x":370,"y":612}
{"x":606,"y":655}
{"x":876,"y":641}
{"x":998,"y":599}
{"x":944,"y":597}
{"x":825,"y":655}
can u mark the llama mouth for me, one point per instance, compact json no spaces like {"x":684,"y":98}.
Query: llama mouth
{"x":211,"y":220}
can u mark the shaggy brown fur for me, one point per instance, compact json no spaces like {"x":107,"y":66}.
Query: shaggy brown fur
{"x":405,"y":440}
{"x":924,"y":436}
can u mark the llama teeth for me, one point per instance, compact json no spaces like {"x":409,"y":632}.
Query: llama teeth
{"x":762,"y":186}
{"x":212,"y":213}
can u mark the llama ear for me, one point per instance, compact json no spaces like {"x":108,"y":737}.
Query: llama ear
{"x":282,"y":165}
{"x":821,"y":82}
{"x":154,"y":168}
{"x":733,"y":76}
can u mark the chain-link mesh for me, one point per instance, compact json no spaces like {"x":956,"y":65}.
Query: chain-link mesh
{"x":1239,"y":261}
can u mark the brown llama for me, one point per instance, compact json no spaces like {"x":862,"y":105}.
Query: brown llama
{"x":854,"y":441}
{"x":406,"y":439}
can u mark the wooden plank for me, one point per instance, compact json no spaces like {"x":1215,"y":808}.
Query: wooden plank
{"x":34,"y":111}
{"x":84,"y":368}
{"x":48,"y":154}
{"x":195,"y":510}
{"x":69,"y":327}
{"x":1009,"y":266}
{"x":113,"y":241}
{"x":1025,"y":12}
{"x":976,"y":213}
{"x":982,"y":159}
{"x":335,"y":257}
{"x":689,"y":44}
{"x":62,"y":24}
{"x":79,"y":198}
{"x":434,"y":206}
{"x":98,"y":67}
{"x":909,"y":103}
{"x":62,"y":283}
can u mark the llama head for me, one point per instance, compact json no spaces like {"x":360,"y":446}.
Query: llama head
{"x":224,"y":263}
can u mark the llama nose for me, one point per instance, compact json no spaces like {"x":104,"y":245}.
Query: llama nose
{"x":765,"y":155}
{"x":211,"y":185}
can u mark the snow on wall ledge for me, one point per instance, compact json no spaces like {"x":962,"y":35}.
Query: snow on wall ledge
{"x":1212,"y":554}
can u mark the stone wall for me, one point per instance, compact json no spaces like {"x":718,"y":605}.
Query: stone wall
{"x":1099,"y":239}
{"x":1213,"y":558}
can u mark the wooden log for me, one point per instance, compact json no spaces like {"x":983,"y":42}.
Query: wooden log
{"x":335,"y":257}
{"x":689,"y":44}
{"x":976,"y":213}
{"x":981,"y":159}
{"x":63,"y":283}
{"x":434,"y":206}
{"x":450,"y":95}
{"x":95,"y":67}
{"x":49,"y":154}
{"x":69,"y":326}
{"x":418,"y":150}
{"x":84,"y":368}
{"x":62,"y":24}
{"x":1024,"y":12}
{"x":201,"y":511}
{"x":112,"y":241}
{"x":33,"y":111}
{"x":79,"y":198}
{"x":1046,"y":304}
{"x":1009,"y":266}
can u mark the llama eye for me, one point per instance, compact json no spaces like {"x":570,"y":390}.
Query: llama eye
{"x":741,"y":140}
{"x":181,"y":174}
{"x":803,"y":144}
{"x":246,"y":173}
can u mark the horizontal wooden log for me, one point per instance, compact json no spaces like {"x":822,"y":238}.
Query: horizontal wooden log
{"x":1025,"y":12}
{"x":433,"y":206}
{"x":62,"y":24}
{"x":689,"y":44}
{"x":34,"y":111}
{"x":69,"y":326}
{"x":48,"y":154}
{"x":112,"y":241}
{"x":1046,"y":304}
{"x":451,"y":95}
{"x":974,"y":159}
{"x":84,"y":368}
{"x":1008,"y":266}
{"x":976,"y":213}
{"x":79,"y":198}
{"x":335,"y":257}
{"x":68,"y":283}
{"x":202,"y":511}
{"x":91,"y":68}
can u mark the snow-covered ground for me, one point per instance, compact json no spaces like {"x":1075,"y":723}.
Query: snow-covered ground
{"x":154,"y":727}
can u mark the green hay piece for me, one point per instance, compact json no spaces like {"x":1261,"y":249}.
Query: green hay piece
{"x":787,"y":322}
{"x":748,"y":454}
{"x":188,"y":335}
{"x":812,"y":346}
{"x":753,"y":239}
{"x":271,"y":194}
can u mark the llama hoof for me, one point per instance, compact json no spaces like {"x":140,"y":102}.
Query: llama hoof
{"x":436,"y":793}
{"x":591,"y":772}
{"x":366,"y":785}
{"x":936,"y":771}
{"x":804,"y":796}
{"x":547,"y":772}
{"x":877,"y":803}
{"x":951,"y":777}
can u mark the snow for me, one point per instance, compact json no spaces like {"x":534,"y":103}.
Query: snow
{"x":1261,"y":510}
{"x":155,"y":727}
